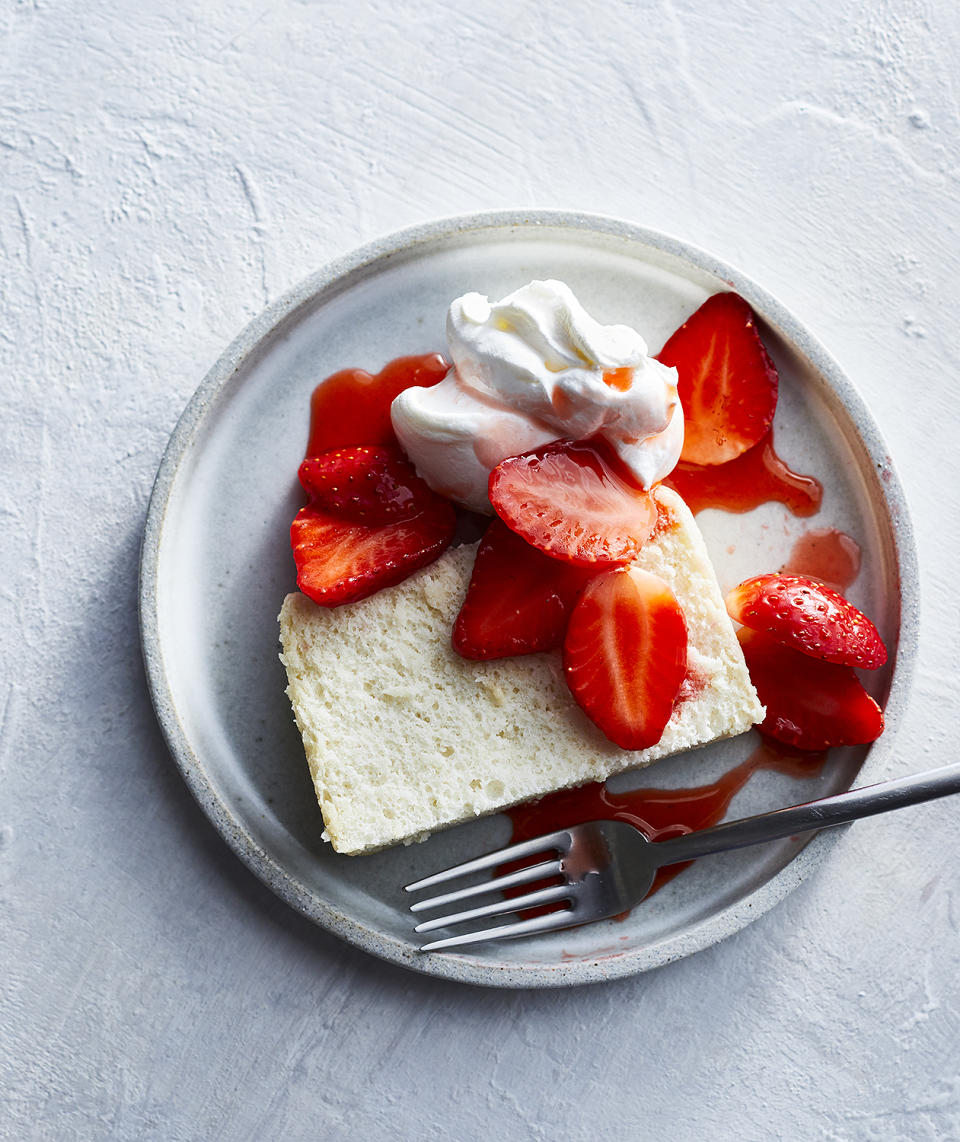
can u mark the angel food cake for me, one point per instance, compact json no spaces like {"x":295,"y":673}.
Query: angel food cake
{"x":404,"y":736}
{"x":585,"y":634}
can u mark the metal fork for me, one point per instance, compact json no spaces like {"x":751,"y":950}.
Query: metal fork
{"x":607,"y":867}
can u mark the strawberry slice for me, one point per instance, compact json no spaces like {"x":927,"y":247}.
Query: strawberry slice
{"x":727,"y":382}
{"x":810,"y":617}
{"x":625,"y":655}
{"x":574,"y":501}
{"x":518,"y":599}
{"x":366,"y":485}
{"x":811,"y":704}
{"x":360,"y":533}
{"x":340,"y":562}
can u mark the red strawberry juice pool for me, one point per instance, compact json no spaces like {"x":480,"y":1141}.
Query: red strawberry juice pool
{"x":827,"y":554}
{"x":758,"y":476}
{"x":353,"y":406}
{"x":657,"y":813}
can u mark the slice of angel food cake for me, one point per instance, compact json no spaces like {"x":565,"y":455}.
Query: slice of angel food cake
{"x":585,"y":633}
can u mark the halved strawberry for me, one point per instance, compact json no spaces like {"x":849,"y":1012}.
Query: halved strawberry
{"x":811,"y":704}
{"x":809,"y":617}
{"x":367,"y":485}
{"x":727,"y":382}
{"x":574,"y":501}
{"x":518,"y":599}
{"x":365,"y":531}
{"x":340,"y":562}
{"x":353,"y":406}
{"x":625,"y":655}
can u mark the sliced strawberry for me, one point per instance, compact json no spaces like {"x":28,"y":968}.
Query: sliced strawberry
{"x":625,"y":655}
{"x":340,"y":562}
{"x":518,"y":599}
{"x":811,"y":705}
{"x":727,"y":383}
{"x":353,"y":406}
{"x":365,"y":529}
{"x":574,"y":501}
{"x":809,"y":617}
{"x":366,"y":485}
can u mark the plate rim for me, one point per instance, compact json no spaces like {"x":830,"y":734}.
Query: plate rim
{"x":465,"y":968}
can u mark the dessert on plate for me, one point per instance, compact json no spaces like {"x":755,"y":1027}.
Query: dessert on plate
{"x":585,"y":633}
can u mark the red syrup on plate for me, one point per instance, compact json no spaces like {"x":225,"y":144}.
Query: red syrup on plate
{"x":657,"y":813}
{"x":826,"y":554}
{"x":353,"y":406}
{"x":753,"y":478}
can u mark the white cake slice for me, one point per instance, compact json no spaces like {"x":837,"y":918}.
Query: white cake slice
{"x":403,"y":736}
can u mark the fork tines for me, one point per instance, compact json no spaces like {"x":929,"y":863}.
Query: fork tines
{"x":559,"y":841}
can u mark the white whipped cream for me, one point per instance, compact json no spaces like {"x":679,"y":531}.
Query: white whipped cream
{"x":528,"y":370}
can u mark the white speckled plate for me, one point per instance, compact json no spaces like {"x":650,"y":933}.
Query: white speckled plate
{"x":216,"y":565}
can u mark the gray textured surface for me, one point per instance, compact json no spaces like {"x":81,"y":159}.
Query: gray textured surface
{"x":166,"y":171}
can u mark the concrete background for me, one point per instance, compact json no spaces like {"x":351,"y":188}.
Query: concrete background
{"x":165,"y":171}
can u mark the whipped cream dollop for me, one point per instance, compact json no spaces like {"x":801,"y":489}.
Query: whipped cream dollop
{"x":527,"y":370}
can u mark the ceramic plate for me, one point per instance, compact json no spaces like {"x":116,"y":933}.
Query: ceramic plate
{"x":216,"y":566}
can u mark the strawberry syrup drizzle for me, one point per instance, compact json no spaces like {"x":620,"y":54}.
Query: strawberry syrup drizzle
{"x":619,"y":379}
{"x":753,"y":478}
{"x":353,"y":406}
{"x":657,"y":813}
{"x":826,"y":554}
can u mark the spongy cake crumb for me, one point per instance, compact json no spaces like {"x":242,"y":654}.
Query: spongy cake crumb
{"x":403,"y":736}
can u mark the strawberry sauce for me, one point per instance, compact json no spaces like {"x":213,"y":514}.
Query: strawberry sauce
{"x":826,"y":554}
{"x":619,"y":379}
{"x":353,"y":406}
{"x":755,"y":477}
{"x":657,"y":813}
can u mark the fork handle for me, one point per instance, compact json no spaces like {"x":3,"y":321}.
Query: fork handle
{"x":822,"y":814}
